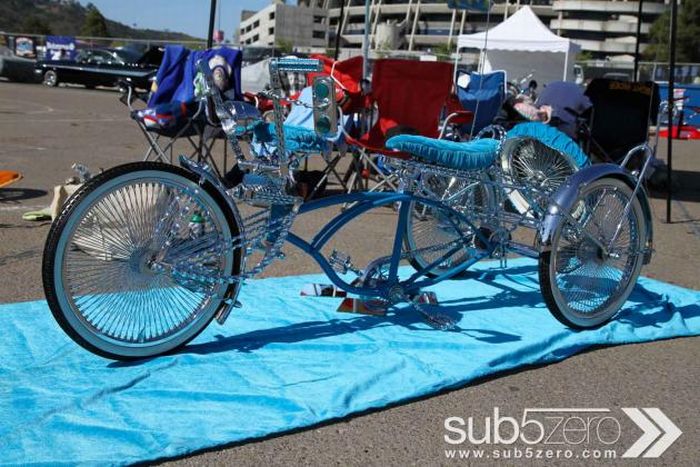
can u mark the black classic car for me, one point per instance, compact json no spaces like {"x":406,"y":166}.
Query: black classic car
{"x":16,"y":68}
{"x":102,"y":67}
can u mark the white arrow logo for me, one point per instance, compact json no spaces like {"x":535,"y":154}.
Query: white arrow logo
{"x":669,"y":434}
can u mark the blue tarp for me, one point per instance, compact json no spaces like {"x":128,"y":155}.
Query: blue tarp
{"x":692,"y":105}
{"x":284,"y":362}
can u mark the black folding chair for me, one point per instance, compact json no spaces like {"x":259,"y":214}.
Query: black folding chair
{"x":620,"y":117}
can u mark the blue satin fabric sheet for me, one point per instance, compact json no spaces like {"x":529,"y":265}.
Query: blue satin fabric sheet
{"x":283,"y":362}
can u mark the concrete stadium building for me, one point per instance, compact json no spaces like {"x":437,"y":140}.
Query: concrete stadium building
{"x":604,"y":28}
{"x":417,"y":24}
{"x":302,"y":26}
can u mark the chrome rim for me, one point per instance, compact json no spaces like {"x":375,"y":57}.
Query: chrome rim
{"x":532,"y":164}
{"x":593,"y":267}
{"x":50,"y":78}
{"x":129,"y":259}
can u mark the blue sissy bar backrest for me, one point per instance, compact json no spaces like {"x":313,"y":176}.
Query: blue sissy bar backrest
{"x":299,"y":132}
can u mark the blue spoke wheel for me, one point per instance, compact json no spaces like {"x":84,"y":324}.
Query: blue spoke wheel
{"x":596,"y":255}
{"x":133,"y":266}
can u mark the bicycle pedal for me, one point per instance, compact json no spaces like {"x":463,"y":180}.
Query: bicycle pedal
{"x":425,"y":298}
{"x":322,"y":290}
{"x":434,"y":320}
{"x":439,"y":322}
{"x":363,"y":307}
{"x":341,"y":262}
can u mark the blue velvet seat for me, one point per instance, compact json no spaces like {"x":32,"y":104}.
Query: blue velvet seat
{"x":470,"y":155}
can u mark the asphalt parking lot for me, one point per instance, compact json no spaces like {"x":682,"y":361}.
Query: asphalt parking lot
{"x":43,"y":131}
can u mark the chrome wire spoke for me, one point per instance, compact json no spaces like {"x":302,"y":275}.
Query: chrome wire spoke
{"x":588,"y":277}
{"x":108,"y":263}
{"x":536,"y":170}
{"x":534,"y":162}
{"x":433,"y":237}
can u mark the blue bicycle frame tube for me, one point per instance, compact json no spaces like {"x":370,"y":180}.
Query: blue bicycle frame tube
{"x":370,"y":200}
{"x":404,"y":212}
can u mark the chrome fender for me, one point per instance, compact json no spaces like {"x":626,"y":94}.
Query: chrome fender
{"x":563,"y":200}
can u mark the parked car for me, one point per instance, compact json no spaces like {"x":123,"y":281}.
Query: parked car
{"x":619,"y":76}
{"x":102,"y":67}
{"x":16,"y":68}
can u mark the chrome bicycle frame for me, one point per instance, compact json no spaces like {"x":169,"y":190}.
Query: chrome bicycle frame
{"x":267,"y":185}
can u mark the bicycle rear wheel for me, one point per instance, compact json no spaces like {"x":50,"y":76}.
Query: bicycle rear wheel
{"x":429,"y":232}
{"x":591,"y":270}
{"x":128,"y":265}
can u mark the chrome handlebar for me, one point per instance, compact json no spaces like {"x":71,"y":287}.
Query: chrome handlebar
{"x":300,"y":65}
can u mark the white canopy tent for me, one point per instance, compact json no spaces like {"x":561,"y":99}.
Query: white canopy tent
{"x":522,"y":44}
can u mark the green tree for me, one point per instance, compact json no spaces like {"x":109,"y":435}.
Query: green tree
{"x":35,"y":25}
{"x":284,"y":46}
{"x":444,"y":51}
{"x":584,"y":56}
{"x":95,"y":25}
{"x":688,"y":34}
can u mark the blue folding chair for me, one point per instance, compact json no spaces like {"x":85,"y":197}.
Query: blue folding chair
{"x":172,"y":111}
{"x":484,"y":95}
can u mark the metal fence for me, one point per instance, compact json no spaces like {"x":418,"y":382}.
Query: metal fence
{"x":108,"y":42}
{"x":686,"y":73}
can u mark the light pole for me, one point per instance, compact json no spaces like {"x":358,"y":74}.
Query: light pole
{"x":212,"y":17}
{"x":671,"y":86}
{"x":636,"y":45}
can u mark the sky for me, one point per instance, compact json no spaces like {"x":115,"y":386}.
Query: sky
{"x":188,"y":16}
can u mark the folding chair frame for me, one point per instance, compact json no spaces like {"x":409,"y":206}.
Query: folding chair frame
{"x":330,"y":169}
{"x":201,"y":150}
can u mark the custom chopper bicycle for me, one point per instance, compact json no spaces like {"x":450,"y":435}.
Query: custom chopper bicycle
{"x":145,"y":255}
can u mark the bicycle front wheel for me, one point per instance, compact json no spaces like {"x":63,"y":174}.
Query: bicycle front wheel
{"x":130,"y":266}
{"x":596,"y":255}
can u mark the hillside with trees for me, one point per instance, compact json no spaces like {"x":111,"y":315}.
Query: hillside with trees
{"x":70,"y":18}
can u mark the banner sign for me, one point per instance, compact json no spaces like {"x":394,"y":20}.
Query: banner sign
{"x":60,"y":47}
{"x":24,"y":47}
{"x":679,"y":98}
{"x":472,"y":5}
